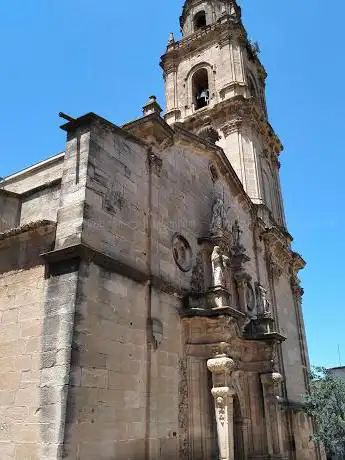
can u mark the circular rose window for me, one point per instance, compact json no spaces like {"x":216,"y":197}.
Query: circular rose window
{"x":182,"y":253}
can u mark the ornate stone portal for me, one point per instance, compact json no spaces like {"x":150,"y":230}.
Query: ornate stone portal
{"x":216,"y":328}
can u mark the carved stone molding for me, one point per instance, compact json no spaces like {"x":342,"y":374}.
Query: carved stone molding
{"x":222,"y":392}
{"x":232,"y":127}
{"x":272,"y":380}
{"x":278,"y":252}
{"x":276,"y":270}
{"x":220,"y":365}
{"x":297,"y":290}
{"x":297,"y":263}
{"x":209,"y":134}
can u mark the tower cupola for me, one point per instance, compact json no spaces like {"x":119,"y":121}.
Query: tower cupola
{"x":198,"y":14}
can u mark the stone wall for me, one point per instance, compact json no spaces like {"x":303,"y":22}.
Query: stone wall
{"x":36,"y":176}
{"x":21,"y":325}
{"x":9,"y":211}
{"x":40,"y":205}
{"x":116,"y":196}
{"x":122,"y":390}
{"x":183,"y":196}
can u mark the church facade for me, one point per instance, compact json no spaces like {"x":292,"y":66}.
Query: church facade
{"x":150,"y":306}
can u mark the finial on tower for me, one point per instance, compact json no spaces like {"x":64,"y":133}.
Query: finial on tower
{"x":152,"y":106}
{"x":171,"y":39}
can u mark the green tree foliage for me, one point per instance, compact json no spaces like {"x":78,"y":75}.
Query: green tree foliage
{"x":326,"y":404}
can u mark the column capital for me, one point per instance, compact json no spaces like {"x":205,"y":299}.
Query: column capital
{"x":221,"y":364}
{"x":271,"y":379}
{"x":222,"y":392}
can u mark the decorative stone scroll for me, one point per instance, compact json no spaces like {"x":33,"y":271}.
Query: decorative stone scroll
{"x":232,"y":127}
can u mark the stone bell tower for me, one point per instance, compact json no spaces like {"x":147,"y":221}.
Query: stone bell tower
{"x":215,"y":86}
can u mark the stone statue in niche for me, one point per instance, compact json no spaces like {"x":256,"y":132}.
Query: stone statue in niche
{"x":197,"y":282}
{"x":219,"y":261}
{"x":262,"y":302}
{"x":236,"y":237}
{"x":218,"y":218}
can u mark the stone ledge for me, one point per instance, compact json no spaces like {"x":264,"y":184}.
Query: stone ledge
{"x":39,"y":226}
{"x":270,"y":336}
{"x":8,"y":193}
{"x":72,"y":254}
{"x":214,"y":312}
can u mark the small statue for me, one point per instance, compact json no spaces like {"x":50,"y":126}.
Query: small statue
{"x":218,"y":217}
{"x":218,"y":266}
{"x":262,"y":301}
{"x":236,"y":235}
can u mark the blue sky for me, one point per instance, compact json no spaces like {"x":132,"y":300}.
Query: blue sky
{"x":78,"y":56}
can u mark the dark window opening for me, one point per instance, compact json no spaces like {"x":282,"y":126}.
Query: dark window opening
{"x":201,"y":92}
{"x":200,"y":20}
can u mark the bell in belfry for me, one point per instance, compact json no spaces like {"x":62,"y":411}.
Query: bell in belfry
{"x":203,"y":97}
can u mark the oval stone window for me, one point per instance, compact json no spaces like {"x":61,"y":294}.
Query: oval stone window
{"x":182,"y":253}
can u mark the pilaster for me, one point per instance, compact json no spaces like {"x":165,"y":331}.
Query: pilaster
{"x":222,"y":393}
{"x":274,"y":429}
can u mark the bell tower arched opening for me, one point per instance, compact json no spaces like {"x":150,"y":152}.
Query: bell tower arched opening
{"x":199,"y":20}
{"x":201,"y":91}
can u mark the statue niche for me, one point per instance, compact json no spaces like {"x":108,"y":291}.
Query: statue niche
{"x":211,"y":278}
{"x":218,"y":221}
{"x":219,"y":262}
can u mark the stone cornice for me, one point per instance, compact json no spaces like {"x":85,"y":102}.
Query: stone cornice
{"x":153,"y":130}
{"x":297,"y":262}
{"x":232,"y":114}
{"x":40,"y":227}
{"x":44,"y":186}
{"x":8,"y":194}
{"x":90,"y":255}
{"x":31,"y":170}
{"x":89,"y":119}
{"x":281,"y":257}
{"x":220,"y":32}
{"x":211,"y":33}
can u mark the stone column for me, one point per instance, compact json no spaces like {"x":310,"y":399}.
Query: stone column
{"x":270,"y":384}
{"x":221,"y":367}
